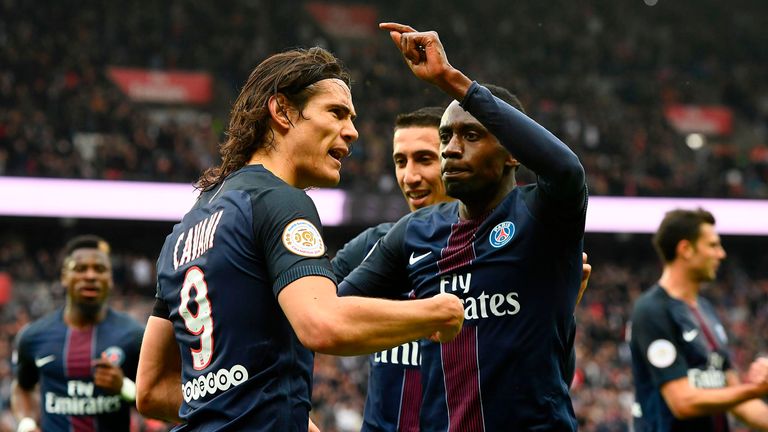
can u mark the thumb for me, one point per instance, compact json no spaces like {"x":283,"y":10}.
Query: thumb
{"x":395,"y":37}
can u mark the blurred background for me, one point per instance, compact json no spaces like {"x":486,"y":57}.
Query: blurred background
{"x":659,"y":98}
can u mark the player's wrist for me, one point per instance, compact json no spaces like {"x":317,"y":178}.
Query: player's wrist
{"x":128,"y":390}
{"x":27,"y":424}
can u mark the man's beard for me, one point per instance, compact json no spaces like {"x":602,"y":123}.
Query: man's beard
{"x":89,"y":310}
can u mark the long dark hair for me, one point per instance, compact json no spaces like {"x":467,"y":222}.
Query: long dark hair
{"x":291,"y":73}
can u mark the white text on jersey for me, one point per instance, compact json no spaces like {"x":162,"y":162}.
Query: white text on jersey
{"x":197,"y":241}
{"x":406,"y":354}
{"x":483,"y":305}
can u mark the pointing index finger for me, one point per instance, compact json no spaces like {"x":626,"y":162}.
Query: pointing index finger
{"x":400,"y":28}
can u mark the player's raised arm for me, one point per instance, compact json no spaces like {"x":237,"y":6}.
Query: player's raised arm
{"x":425,"y":55}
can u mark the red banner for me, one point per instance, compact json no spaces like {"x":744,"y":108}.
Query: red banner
{"x":6,"y":287}
{"x":346,"y":21}
{"x":143,"y":85}
{"x":710,"y":120}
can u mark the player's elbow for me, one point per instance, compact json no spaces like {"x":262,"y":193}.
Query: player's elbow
{"x":149,"y":402}
{"x":573,"y":173}
{"x":321,"y":336}
{"x":145,"y":401}
{"x":682,"y":411}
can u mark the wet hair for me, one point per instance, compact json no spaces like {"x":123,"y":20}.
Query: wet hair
{"x":294,"y":75}
{"x":88,"y":241}
{"x":676,"y":226}
{"x":505,"y":95}
{"x":422,"y":117}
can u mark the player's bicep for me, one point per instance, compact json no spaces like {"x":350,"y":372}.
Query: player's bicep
{"x":675,"y":393}
{"x":306,"y":303}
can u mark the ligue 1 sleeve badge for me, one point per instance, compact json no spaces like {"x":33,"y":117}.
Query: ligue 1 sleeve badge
{"x":302,"y":238}
{"x":502,"y":234}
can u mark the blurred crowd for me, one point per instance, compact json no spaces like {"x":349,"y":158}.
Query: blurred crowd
{"x":598,"y":74}
{"x":602,"y":391}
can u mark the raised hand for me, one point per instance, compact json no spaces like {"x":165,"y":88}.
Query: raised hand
{"x":585,"y":274}
{"x":425,"y":56}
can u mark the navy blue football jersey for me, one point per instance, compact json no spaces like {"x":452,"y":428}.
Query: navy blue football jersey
{"x":219,"y":273}
{"x":671,"y":340}
{"x":517,"y":270}
{"x":60,"y":358}
{"x":394,"y":394}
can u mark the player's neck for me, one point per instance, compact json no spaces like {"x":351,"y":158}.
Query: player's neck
{"x":80,"y":317}
{"x":274,"y":163}
{"x":480,"y":205}
{"x":679,"y":286}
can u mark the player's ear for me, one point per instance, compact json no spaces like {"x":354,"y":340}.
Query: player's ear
{"x":278,"y":109}
{"x":684,"y":249}
{"x":511,"y":161}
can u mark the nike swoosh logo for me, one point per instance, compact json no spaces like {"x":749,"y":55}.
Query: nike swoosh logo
{"x":414,"y":259}
{"x":42,"y":361}
{"x":690,"y":335}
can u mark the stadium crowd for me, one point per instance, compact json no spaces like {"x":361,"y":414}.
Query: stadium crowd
{"x":597,"y":74}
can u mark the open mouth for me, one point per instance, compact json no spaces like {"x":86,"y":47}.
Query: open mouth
{"x":89,"y":292}
{"x":417,"y":195}
{"x":338,"y":153}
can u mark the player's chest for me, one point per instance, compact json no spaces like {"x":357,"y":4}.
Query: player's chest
{"x":471,"y":260}
{"x":67,"y":352}
{"x":701,"y":339}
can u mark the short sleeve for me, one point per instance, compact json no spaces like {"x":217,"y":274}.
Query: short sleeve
{"x":287,"y":226}
{"x":383,"y":273}
{"x":23,"y":362}
{"x":653,"y":335}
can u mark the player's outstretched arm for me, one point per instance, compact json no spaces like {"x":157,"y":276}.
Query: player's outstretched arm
{"x":158,"y":379}
{"x":352,"y":325}
{"x":425,"y":56}
{"x":686,"y":401}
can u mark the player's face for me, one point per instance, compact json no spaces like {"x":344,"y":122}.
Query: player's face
{"x":321,"y":137}
{"x":87,"y":275}
{"x":473,"y":161}
{"x":707,"y":254}
{"x":417,"y":165}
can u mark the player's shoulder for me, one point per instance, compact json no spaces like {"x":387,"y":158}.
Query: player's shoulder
{"x":653,"y":301}
{"x":41,"y":325}
{"x":377,"y":232}
{"x":444,"y":210}
{"x":250,"y":180}
{"x":124,"y":321}
{"x":40,"y":329}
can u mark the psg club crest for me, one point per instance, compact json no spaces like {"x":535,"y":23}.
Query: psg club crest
{"x":502,"y":234}
{"x":114,"y":355}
